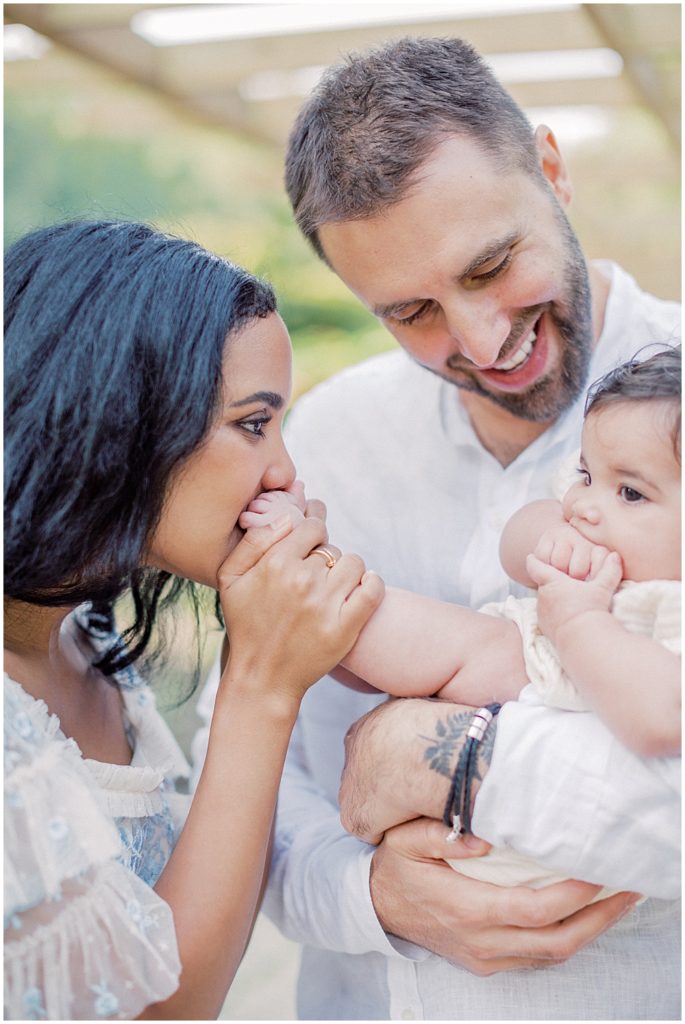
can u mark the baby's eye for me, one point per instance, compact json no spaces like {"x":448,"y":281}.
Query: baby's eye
{"x":585,"y":477}
{"x":630,"y":495}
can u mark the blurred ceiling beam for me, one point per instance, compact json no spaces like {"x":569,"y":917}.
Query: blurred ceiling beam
{"x":644,"y":36}
{"x":206,"y":77}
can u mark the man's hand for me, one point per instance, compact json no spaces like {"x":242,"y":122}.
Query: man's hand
{"x":484,"y":928}
{"x":399,"y":762}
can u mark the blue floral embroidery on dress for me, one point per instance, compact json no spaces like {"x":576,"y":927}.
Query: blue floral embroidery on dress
{"x":106,"y":1003}
{"x":58,"y":829}
{"x":23,"y":725}
{"x":32,"y":1001}
{"x":148,"y":843}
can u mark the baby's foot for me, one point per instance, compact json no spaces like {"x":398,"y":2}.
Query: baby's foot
{"x":271,"y":505}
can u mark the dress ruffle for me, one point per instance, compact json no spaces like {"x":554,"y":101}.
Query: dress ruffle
{"x":136,"y":790}
{"x":54,"y":823}
{"x":86,"y":935}
{"x":106,"y":949}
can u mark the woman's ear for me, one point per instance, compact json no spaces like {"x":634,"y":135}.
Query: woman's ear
{"x":552,"y":164}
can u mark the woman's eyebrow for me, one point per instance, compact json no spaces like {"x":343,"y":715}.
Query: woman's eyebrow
{"x":270,"y":398}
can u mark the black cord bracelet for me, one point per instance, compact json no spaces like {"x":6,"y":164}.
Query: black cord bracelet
{"x":458,"y":807}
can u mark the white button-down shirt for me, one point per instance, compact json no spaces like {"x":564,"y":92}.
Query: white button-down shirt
{"x":390,"y":449}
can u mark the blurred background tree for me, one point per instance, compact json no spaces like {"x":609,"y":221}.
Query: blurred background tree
{"x":84,"y":139}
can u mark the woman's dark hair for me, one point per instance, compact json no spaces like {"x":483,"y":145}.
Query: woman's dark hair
{"x":114,"y":338}
{"x":657,"y":379}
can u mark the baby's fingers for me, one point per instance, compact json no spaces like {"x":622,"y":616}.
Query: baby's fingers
{"x":580,"y":561}
{"x":540,"y":572}
{"x":607,"y":569}
{"x":544,"y":547}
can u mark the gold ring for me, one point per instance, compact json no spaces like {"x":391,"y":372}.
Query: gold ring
{"x":325,"y":553}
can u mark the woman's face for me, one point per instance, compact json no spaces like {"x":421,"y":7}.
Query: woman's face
{"x":242,"y":455}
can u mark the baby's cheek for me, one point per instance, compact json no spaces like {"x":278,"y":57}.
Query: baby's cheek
{"x":568,"y":500}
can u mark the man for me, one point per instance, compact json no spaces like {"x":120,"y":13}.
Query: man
{"x":420,"y":182}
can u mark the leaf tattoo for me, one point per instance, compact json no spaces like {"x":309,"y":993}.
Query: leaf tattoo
{"x":450,"y":732}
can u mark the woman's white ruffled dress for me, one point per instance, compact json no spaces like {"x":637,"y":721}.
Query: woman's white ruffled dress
{"x":86,"y":936}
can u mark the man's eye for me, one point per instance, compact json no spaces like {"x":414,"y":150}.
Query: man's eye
{"x":416,"y":315}
{"x":494,"y":272}
{"x":630,"y":495}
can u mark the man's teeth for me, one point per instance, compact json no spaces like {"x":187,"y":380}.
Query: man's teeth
{"x":521,"y":355}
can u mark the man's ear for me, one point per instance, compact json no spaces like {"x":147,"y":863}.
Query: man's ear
{"x":552,"y":164}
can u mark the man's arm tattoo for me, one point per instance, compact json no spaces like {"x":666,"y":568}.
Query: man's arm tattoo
{"x":450,"y":736}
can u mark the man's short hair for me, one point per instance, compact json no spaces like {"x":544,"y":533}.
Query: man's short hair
{"x":375,"y":118}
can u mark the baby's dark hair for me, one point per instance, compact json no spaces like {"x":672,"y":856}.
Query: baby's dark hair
{"x":657,"y":379}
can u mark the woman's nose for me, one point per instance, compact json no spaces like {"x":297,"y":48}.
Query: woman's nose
{"x":281,"y":470}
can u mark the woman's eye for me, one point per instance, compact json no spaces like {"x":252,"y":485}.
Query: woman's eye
{"x":255,"y":427}
{"x":630,"y":495}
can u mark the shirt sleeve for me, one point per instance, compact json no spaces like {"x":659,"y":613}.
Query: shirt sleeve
{"x":318,"y":892}
{"x":564,"y":791}
{"x":85,"y":938}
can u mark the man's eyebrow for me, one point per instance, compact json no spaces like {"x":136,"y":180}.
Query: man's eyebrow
{"x":494,"y":249}
{"x":270,"y":398}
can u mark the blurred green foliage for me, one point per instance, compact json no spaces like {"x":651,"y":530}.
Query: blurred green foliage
{"x":63,"y":160}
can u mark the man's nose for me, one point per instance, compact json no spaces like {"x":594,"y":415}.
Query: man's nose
{"x":479,"y":330}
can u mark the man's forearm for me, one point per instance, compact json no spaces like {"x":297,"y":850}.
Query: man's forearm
{"x":400,"y":759}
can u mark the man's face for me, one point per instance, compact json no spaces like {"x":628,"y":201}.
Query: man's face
{"x":478,"y":275}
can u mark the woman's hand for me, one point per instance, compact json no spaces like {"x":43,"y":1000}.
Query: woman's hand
{"x":290,"y":618}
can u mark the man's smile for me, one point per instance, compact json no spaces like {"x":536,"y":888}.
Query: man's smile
{"x":525,"y":360}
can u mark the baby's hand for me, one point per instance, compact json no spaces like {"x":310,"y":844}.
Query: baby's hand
{"x":564,"y":548}
{"x":562,"y":598}
{"x":270,"y":505}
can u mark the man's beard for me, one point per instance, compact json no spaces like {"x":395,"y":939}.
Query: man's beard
{"x":555,"y":392}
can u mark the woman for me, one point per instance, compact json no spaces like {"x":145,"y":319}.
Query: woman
{"x":146,"y":383}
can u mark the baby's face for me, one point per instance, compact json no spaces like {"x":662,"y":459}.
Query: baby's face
{"x":628,"y":498}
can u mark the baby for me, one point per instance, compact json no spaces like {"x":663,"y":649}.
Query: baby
{"x":603,"y":632}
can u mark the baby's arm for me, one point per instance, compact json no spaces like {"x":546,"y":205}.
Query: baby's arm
{"x":631,"y":680}
{"x":415,"y":646}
